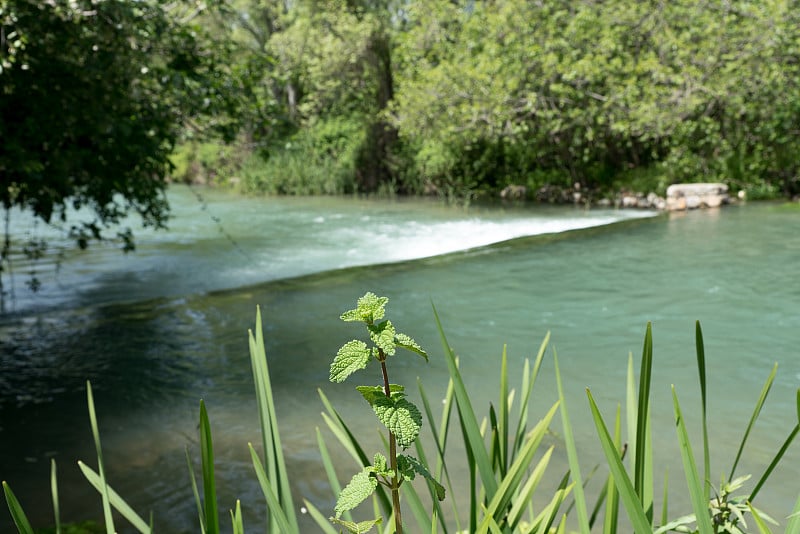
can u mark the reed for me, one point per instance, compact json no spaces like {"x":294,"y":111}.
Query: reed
{"x":502,"y":460}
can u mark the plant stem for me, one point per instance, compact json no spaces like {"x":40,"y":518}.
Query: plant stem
{"x":398,"y":522}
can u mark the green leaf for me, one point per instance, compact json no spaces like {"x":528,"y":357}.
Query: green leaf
{"x":643,"y":458}
{"x":410,"y":466}
{"x":278,"y":516}
{"x":103,"y":489}
{"x":400,"y":416}
{"x":322,"y":522}
{"x":20,"y":519}
{"x":196,"y":493}
{"x":353,"y":356}
{"x":383,"y":336}
{"x":380,"y":466}
{"x":54,"y":492}
{"x":756,"y":411}
{"x":701,"y":368}
{"x":115,"y":500}
{"x":469,"y":423}
{"x":762,"y":525}
{"x":357,"y":491}
{"x":699,"y":505}
{"x":207,"y":465}
{"x":370,"y":393}
{"x":572,"y":454}
{"x":774,"y":463}
{"x":402,"y":340}
{"x":628,"y":496}
{"x":358,"y":528}
{"x":369,"y":308}
{"x":270,"y":435}
{"x":236,"y":518}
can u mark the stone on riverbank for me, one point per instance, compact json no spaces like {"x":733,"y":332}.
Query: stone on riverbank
{"x":692,"y":196}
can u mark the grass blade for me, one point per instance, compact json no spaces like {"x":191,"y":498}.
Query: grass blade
{"x":109,"y":520}
{"x":17,"y":513}
{"x":319,"y":518}
{"x":503,"y":406}
{"x":440,"y":440}
{"x":528,"y":381}
{"x":200,"y":512}
{"x":774,"y":462}
{"x":236,"y":518}
{"x":273,"y":502}
{"x":630,"y":411}
{"x":761,"y":399}
{"x":628,"y":496}
{"x":115,"y":500}
{"x":701,"y":369}
{"x":793,"y":526}
{"x":643,"y":460}
{"x":471,"y":429}
{"x":417,"y":509}
{"x":330,"y":471}
{"x":207,"y":466}
{"x":762,"y":525}
{"x":699,"y":504}
{"x":523,"y":499}
{"x":510,"y":484}
{"x":349,"y":441}
{"x":54,"y":493}
{"x":611,"y":518}
{"x":572,"y":454}
{"x":665,"y":503}
{"x":270,"y":435}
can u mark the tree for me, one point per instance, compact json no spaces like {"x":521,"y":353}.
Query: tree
{"x":93,"y":95}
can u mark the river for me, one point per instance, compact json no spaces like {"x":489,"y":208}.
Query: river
{"x":157,"y":330}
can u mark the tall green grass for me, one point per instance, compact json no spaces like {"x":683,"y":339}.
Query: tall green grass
{"x":503,"y":461}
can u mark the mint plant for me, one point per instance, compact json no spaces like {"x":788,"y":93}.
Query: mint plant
{"x":400,"y":416}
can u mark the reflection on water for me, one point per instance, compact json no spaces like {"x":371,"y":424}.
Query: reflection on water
{"x":151,"y":361}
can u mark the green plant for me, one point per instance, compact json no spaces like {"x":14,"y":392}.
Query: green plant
{"x":502,"y":477}
{"x":723,"y":513}
{"x":400,"y":416}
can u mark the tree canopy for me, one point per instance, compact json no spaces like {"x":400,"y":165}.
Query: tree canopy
{"x":457,"y":97}
{"x":94,"y":95}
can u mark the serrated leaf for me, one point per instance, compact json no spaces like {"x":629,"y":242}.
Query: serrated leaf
{"x":353,"y":356}
{"x":402,"y":340}
{"x":369,"y":308}
{"x":357,"y":491}
{"x":380,"y":464}
{"x":370,"y":393}
{"x":361,"y":527}
{"x":400,"y":416}
{"x":383,"y":336}
{"x":410,"y":466}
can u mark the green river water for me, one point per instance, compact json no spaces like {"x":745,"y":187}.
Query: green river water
{"x":159,"y":330}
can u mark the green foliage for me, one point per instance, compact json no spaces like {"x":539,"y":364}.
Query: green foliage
{"x":503,"y":460}
{"x":94,"y":96}
{"x":401,"y":417}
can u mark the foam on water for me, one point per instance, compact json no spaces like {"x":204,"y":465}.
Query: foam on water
{"x":231,"y":241}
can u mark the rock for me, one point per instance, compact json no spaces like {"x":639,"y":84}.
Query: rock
{"x":604,"y":203}
{"x":514,"y":192}
{"x":676,"y":204}
{"x":691,"y":196}
{"x":629,"y":201}
{"x":712,"y":201}
{"x":693,"y":202}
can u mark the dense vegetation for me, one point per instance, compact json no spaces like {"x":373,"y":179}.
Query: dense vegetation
{"x":500,"y":454}
{"x":100,"y":99}
{"x":468,"y":97}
